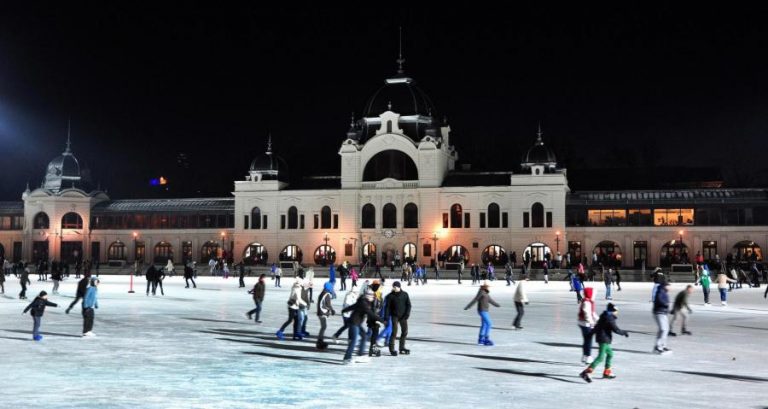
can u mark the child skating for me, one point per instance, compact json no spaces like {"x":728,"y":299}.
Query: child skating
{"x":603,"y":331}
{"x":38,"y":308}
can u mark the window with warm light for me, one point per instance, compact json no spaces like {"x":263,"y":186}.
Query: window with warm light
{"x":672,"y":217}
{"x":607,"y":217}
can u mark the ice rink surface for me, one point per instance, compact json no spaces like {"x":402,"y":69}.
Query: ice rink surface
{"x":193,"y":348}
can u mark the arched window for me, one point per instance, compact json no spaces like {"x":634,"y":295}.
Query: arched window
{"x":389,"y":216}
{"x":608,"y":252}
{"x":254,"y":254}
{"x":41,"y":221}
{"x":390,"y":164}
{"x":368,"y":217}
{"x":673,"y":252}
{"x":255,"y":218}
{"x":411,"y":216}
{"x":537,"y":215}
{"x":456,"y":215}
{"x":291,"y":252}
{"x":209,"y":250}
{"x":116,"y":251}
{"x":325,"y":217}
{"x":536,"y":253}
{"x":71,"y":220}
{"x":409,"y":252}
{"x":293,"y":217}
{"x":747,"y":251}
{"x":369,"y":252}
{"x":325,"y":255}
{"x":457,"y":253}
{"x":163,"y":252}
{"x":494,"y":254}
{"x":493,"y":216}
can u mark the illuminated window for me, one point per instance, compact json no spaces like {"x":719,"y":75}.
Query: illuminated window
{"x":607,"y":217}
{"x":747,"y":251}
{"x":116,"y":251}
{"x":457,"y":253}
{"x":255,"y":254}
{"x":672,"y":217}
{"x":163,"y":252}
{"x":639,"y":217}
{"x":369,"y":252}
{"x":324,"y":255}
{"x":291,"y":252}
{"x":640,"y":253}
{"x":41,"y":221}
{"x":709,"y":250}
{"x":673,"y":252}
{"x":574,"y":247}
{"x":71,"y":220}
{"x":409,"y":252}
{"x":209,"y":250}
{"x":494,"y":254}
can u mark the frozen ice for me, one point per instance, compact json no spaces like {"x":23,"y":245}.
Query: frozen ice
{"x":193,"y":348}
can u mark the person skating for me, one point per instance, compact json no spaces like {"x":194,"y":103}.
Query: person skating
{"x":373,"y":329}
{"x":56,"y":277}
{"x":578,"y":287}
{"x":150,"y":276}
{"x":660,"y":314}
{"x":353,"y":276}
{"x":189,"y":275}
{"x":170,"y":269}
{"x":24,"y":280}
{"x":608,"y":281}
{"x":158,"y":281}
{"x":681,"y":309}
{"x":587,"y":320}
{"x":2,"y":281}
{"x":257,"y":291}
{"x":521,"y":298}
{"x":38,"y":308}
{"x":508,"y":274}
{"x":398,"y":305}
{"x":304,"y":308}
{"x":484,"y":301}
{"x":324,"y":310}
{"x":705,"y":281}
{"x":90,"y":303}
{"x":545,"y":265}
{"x":349,"y":299}
{"x":360,"y":311}
{"x":343,"y":272}
{"x":617,"y":275}
{"x":82,"y":286}
{"x":241,"y":274}
{"x":278,"y":273}
{"x":722,"y":287}
{"x":604,"y":330}
{"x":310,"y":280}
{"x":294,"y":301}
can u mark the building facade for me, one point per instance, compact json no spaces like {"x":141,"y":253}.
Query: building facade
{"x":399,"y":195}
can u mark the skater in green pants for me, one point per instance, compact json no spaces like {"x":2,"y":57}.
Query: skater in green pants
{"x":603,"y":331}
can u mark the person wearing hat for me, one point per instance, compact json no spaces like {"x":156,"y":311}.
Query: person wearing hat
{"x":349,"y":299}
{"x":661,"y":315}
{"x":257,"y":291}
{"x":484,"y":301}
{"x":398,"y":305}
{"x":587,"y":321}
{"x":603,"y":331}
{"x":376,"y":303}
{"x":38,"y":308}
{"x":324,"y":310}
{"x":90,"y":303}
{"x":294,"y":301}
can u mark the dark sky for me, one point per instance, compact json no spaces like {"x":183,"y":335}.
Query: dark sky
{"x":627,"y":86}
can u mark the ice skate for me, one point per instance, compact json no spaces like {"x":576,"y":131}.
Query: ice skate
{"x":37,"y":337}
{"x":392,"y":352}
{"x":585,"y":375}
{"x":280,"y":335}
{"x":608,"y":374}
{"x":405,"y":351}
{"x":362,"y":359}
{"x":672,"y":334}
{"x":686,"y":332}
{"x":488,"y":342}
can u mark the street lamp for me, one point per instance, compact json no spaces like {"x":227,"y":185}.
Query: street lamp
{"x":557,"y":241}
{"x":434,"y":244}
{"x":325,"y":238}
{"x":135,"y":262}
{"x":223,"y":245}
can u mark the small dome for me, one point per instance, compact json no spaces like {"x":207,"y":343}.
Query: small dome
{"x":539,"y":154}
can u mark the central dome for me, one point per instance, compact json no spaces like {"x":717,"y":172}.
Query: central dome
{"x":269,"y":165}
{"x":401,"y":95}
{"x":62,"y":172}
{"x":539,"y":154}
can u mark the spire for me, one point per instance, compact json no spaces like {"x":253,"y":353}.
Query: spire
{"x":400,"y":60}
{"x":389,"y":105}
{"x":352,"y":122}
{"x":538,"y":135}
{"x":69,"y":140}
{"x":27,"y":186}
{"x":269,"y":144}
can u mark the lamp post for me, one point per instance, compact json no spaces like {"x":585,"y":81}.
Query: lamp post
{"x":223,"y":245}
{"x":325,"y":238}
{"x":135,"y":262}
{"x":434,"y":246}
{"x":557,"y":241}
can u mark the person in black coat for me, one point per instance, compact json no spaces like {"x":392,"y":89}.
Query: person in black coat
{"x":189,"y":275}
{"x":241,"y":270}
{"x":158,"y":281}
{"x":150,"y":276}
{"x":398,"y":305}
{"x":82,"y":286}
{"x":38,"y":308}
{"x":603,"y":332}
{"x":361,"y":311}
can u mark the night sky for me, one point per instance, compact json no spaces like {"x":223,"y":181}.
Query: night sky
{"x":612,"y":87}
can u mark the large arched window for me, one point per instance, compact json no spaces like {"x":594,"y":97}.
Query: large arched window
{"x":536,"y":253}
{"x":369,"y":252}
{"x":291,"y":252}
{"x":608,"y":252}
{"x":41,"y":221}
{"x":673,"y":252}
{"x":325,"y":255}
{"x":389,"y":216}
{"x":390,"y":164}
{"x":163,"y":252}
{"x":255,"y":218}
{"x":71,"y":220}
{"x":293,"y":217}
{"x":325,"y":217}
{"x":457,"y":253}
{"x":747,"y":251}
{"x":209,"y":250}
{"x":493,"y":215}
{"x":537,"y":215}
{"x":409,"y":252}
{"x":456,"y":215}
{"x":411,"y":216}
{"x":116,"y":251}
{"x":254,"y":254}
{"x":494,"y":254}
{"x":368,"y":217}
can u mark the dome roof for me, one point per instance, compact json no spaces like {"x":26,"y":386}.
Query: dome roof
{"x":63,"y":171}
{"x":401,"y":95}
{"x":539,"y":154}
{"x":270,"y":166}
